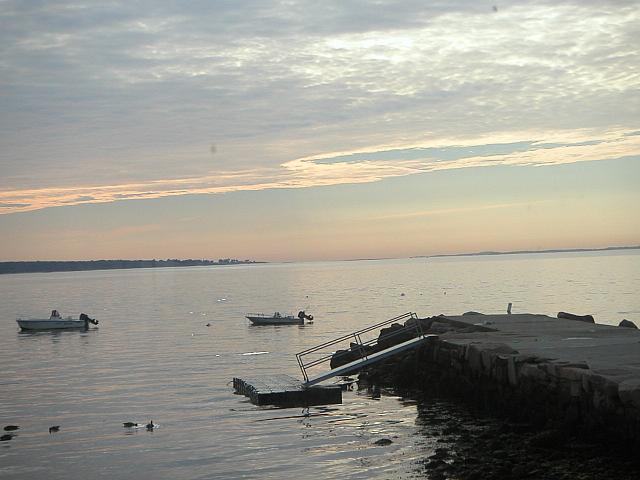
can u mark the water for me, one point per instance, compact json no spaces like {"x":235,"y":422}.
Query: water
{"x":153,"y":357}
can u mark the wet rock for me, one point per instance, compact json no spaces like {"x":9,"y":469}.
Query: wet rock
{"x":503,"y":471}
{"x":627,"y":323}
{"x":514,"y":427}
{"x":475,"y":475}
{"x":451,"y":430}
{"x":495,"y":444}
{"x":438,"y":465}
{"x":547,"y":439}
{"x":521,"y":471}
{"x":440,"y":453}
{"x":383,"y":442}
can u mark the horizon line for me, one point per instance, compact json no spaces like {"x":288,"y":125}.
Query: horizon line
{"x":437,"y":255}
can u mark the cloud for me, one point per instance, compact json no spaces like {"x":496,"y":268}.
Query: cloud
{"x":370,"y":166}
{"x":122,"y":100}
{"x":11,"y":207}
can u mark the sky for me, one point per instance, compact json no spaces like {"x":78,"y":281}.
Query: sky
{"x":302,"y":130}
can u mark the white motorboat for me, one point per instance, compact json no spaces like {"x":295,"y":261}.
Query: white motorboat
{"x":278,"y":319}
{"x":56,"y":322}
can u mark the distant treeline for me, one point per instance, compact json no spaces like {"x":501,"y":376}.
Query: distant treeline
{"x":54,"y":266}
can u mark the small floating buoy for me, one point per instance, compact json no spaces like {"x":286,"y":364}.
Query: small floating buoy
{"x":55,"y":428}
{"x":402,"y":294}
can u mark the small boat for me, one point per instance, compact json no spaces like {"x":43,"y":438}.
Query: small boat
{"x":278,"y":319}
{"x":56,"y":322}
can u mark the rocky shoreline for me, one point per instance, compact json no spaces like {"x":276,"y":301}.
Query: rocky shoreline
{"x":473,"y":445}
{"x":497,"y":421}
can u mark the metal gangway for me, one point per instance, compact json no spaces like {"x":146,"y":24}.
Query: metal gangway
{"x":365,"y":351}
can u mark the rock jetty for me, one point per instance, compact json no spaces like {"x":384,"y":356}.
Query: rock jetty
{"x":567,"y":375}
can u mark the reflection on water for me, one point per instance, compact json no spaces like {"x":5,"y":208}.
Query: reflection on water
{"x":153,"y":357}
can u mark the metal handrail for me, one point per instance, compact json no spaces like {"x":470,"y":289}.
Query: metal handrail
{"x":364,"y":330}
{"x":361,"y":346}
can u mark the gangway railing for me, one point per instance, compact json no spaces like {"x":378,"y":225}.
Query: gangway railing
{"x":358,"y":349}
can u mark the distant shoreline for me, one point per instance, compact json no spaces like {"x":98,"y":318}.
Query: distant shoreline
{"x":521,"y":252}
{"x":47,"y":266}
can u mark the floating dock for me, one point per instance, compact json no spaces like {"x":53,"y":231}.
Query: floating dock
{"x":285,"y":391}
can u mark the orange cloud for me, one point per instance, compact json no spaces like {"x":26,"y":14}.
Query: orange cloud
{"x":311,"y":172}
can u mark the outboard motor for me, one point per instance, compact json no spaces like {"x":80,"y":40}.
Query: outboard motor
{"x":87,"y":320}
{"x":302,"y":316}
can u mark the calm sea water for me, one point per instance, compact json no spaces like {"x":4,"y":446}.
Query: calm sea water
{"x":153,"y":357}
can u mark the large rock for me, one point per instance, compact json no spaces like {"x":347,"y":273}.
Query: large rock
{"x":579,"y":318}
{"x":342,"y":357}
{"x":395,"y":334}
{"x":422,"y":324}
{"x":627,"y":323}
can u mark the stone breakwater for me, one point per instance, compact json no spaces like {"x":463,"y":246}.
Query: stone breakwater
{"x":570,"y":378}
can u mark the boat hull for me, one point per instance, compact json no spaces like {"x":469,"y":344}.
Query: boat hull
{"x":35,"y":324}
{"x":256,"y":320}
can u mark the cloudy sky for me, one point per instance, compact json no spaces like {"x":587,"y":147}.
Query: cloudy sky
{"x":302,"y":130}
